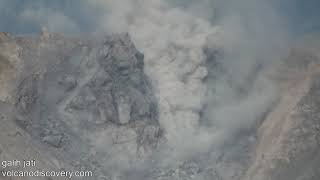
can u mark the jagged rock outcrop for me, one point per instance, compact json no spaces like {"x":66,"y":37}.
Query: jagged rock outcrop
{"x":85,"y":103}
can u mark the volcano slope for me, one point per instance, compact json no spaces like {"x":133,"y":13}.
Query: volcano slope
{"x":288,"y":139}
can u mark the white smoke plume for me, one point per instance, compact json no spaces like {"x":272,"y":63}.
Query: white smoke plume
{"x":173,"y":39}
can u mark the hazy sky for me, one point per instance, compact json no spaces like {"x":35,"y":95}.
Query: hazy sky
{"x":27,"y":16}
{"x":303,"y":14}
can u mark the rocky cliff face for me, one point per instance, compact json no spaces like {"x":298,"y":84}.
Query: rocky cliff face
{"x":288,"y":143}
{"x":83,"y":103}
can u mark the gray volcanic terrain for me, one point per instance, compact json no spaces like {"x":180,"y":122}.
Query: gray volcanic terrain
{"x":100,"y":98}
{"x":159,"y":90}
{"x":77,"y":104}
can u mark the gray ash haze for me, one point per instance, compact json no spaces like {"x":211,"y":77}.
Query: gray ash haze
{"x":207,"y":61}
{"x":75,"y":16}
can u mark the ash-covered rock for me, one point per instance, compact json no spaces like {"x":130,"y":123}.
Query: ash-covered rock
{"x":87,"y":101}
